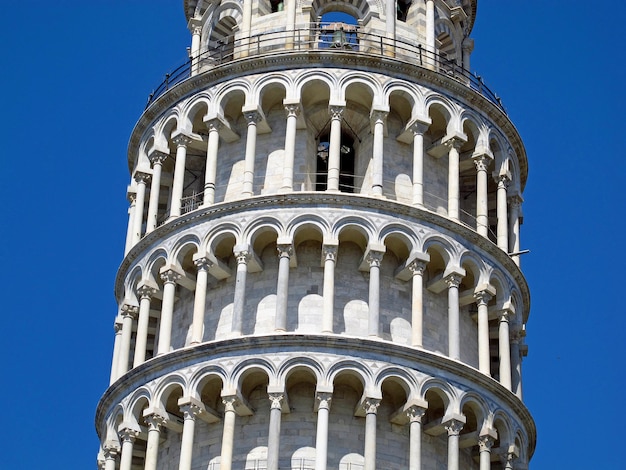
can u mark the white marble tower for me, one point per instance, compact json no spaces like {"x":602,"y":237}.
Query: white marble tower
{"x":322,"y":258}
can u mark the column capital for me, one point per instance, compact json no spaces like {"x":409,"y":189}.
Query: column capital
{"x":485,"y":442}
{"x":482,"y":161}
{"x":378,"y":115}
{"x":336,"y":112}
{"x":454,"y":426}
{"x":190,"y":410}
{"x":419,"y":127}
{"x":329,"y":252}
{"x":157,"y":157}
{"x":181,"y":139}
{"x":202,"y":263}
{"x":293,"y":109}
{"x":415,"y":413}
{"x":483,"y":297}
{"x":285,"y":250}
{"x":145,"y":291}
{"x":127,"y":434}
{"x":276,"y":399}
{"x":110,"y":451}
{"x":214,"y":124}
{"x":253,"y":116}
{"x":142,"y":177}
{"x":454,"y":141}
{"x":230,"y":402}
{"x":154,"y":421}
{"x":370,"y":405}
{"x":417,"y":267}
{"x":453,"y":279}
{"x":515,"y":200}
{"x":374,"y":258}
{"x":170,"y":276}
{"x":131,"y":196}
{"x":129,"y":310}
{"x":505,"y":314}
{"x":243,"y":256}
{"x":324,"y":399}
{"x":502,"y":179}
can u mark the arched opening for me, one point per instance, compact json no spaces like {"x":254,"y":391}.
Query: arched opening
{"x":402,"y":9}
{"x":346,"y":162}
{"x":338,"y":30}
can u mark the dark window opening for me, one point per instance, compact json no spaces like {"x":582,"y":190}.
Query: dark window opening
{"x":346,"y":163}
{"x":402,"y":9}
{"x":277,"y":5}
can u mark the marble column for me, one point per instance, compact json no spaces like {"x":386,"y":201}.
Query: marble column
{"x":243,"y":257}
{"x":157,"y":158}
{"x":454,"y":145}
{"x":482,"y":162}
{"x":485,"y":443}
{"x":502,"y":227}
{"x":334,"y":148}
{"x":282,"y":289}
{"x":454,"y":339}
{"x":504,"y":351}
{"x":190,"y":411}
{"x":517,"y":336}
{"x":290,"y":10}
{"x":199,"y":301}
{"x":145,"y":294}
{"x":417,"y":307}
{"x":169,"y":278}
{"x":154,"y":422}
{"x":330,"y":257}
{"x":132,"y":198}
{"x":196,"y":33}
{"x":129,"y":313}
{"x":453,"y":427}
{"x":290,"y":145}
{"x":228,"y":433}
{"x":321,"y":438}
{"x":374,"y":258}
{"x":467,"y":46}
{"x":181,"y":141}
{"x":273,"y":436}
{"x":415,"y":414}
{"x":141,"y":179}
{"x":430,"y":32}
{"x":378,"y":123}
{"x":418,"y":129}
{"x":515,"y":203}
{"x":210,"y":173}
{"x":117,"y":344}
{"x":507,"y":460}
{"x":484,"y":359}
{"x":127,"y":437}
{"x":252,"y":118}
{"x":371,"y":408}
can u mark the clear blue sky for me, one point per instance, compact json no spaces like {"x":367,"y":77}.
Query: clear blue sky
{"x":75,"y":77}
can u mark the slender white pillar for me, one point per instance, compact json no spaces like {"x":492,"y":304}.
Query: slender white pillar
{"x":169,"y":278}
{"x":454,"y":340}
{"x":132,"y":199}
{"x":484,"y":360}
{"x":378,"y":123}
{"x":110,"y":457}
{"x":210,"y":173}
{"x":468,"y":47}
{"x":454,"y":429}
{"x":116,"y":350}
{"x":243,"y":257}
{"x":330,"y":256}
{"x":141,"y":179}
{"x":228,"y":433}
{"x":273,"y":437}
{"x":290,"y":9}
{"x":515,"y":203}
{"x":430,"y":31}
{"x":199,"y":301}
{"x":129,"y":313}
{"x":190,"y":411}
{"x":417,"y":307}
{"x":453,"y":178}
{"x":252,"y":117}
{"x":374,"y":259}
{"x":418,"y":129}
{"x":334,"y":148}
{"x":127,"y":436}
{"x":485,"y":443}
{"x":156,"y":158}
{"x":482,"y":220}
{"x":517,"y":336}
{"x":503,"y":241}
{"x":371,"y":407}
{"x":154,"y":422}
{"x":504,"y":351}
{"x":321,"y":438}
{"x":145,"y":293}
{"x":415,"y":414}
{"x":181,"y":141}
{"x":195,"y":27}
{"x":282,"y":289}
{"x":290,"y":143}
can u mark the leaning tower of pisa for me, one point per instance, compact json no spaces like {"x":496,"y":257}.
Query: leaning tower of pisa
{"x":322,"y":257}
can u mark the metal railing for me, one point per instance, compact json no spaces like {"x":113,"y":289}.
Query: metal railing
{"x":326,"y":38}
